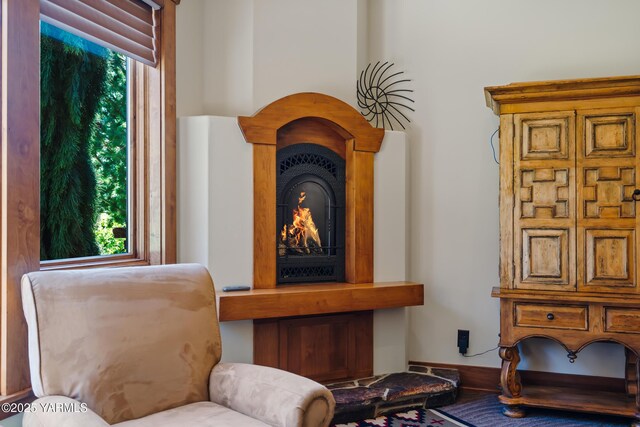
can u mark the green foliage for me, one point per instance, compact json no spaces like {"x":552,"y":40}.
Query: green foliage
{"x":109,"y":142}
{"x":108,"y":148}
{"x":72,"y":81}
{"x":83,"y":147}
{"x":104,"y":235}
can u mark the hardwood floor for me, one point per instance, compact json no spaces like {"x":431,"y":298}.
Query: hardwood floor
{"x":465,"y":396}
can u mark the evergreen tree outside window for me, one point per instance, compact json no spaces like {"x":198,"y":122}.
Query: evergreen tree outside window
{"x":83,"y":148}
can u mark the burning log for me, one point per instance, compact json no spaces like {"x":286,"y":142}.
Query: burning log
{"x":282,"y":249}
{"x":302,"y":236}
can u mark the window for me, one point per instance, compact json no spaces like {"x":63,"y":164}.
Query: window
{"x":150,"y":219}
{"x":84,"y":142}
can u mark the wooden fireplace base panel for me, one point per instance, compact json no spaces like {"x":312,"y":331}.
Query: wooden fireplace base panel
{"x":320,"y":331}
{"x":324,"y":348}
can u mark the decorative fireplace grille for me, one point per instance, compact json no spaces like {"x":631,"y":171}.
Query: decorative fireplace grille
{"x":310,"y":215}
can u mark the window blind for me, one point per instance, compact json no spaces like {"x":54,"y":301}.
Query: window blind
{"x":126,"y":26}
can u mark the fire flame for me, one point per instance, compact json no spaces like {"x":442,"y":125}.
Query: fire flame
{"x":302,"y":235}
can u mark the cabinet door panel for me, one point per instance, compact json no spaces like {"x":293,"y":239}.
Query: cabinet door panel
{"x":544,"y":203}
{"x":609,"y":258}
{"x":607,"y":192}
{"x":609,"y":135}
{"x":545,"y":256}
{"x":607,"y":218}
{"x":544,"y":193}
{"x":544,"y":136}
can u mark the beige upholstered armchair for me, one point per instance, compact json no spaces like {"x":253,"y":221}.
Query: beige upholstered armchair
{"x":140,"y":346}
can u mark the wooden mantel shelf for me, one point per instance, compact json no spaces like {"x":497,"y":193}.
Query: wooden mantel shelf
{"x":302,"y":300}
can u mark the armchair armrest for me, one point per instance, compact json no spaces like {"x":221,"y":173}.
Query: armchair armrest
{"x":273,"y":396}
{"x":61,"y":411}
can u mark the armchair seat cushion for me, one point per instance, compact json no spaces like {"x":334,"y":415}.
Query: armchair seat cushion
{"x":201,"y":414}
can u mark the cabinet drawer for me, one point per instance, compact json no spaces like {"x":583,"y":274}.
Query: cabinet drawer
{"x":551,"y":316}
{"x":618,"y":319}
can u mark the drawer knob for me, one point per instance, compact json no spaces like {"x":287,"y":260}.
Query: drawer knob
{"x":636,"y":195}
{"x":550,"y":316}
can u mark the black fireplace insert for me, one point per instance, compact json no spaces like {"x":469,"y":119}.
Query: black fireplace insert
{"x":310,"y":215}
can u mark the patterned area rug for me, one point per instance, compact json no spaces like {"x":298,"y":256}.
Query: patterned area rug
{"x":412,"y":418}
{"x":487,"y":412}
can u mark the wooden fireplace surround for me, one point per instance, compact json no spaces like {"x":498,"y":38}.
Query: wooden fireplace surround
{"x":326,"y":121}
{"x":323,"y":331}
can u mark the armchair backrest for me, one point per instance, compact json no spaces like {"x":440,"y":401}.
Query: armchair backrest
{"x":129,"y":341}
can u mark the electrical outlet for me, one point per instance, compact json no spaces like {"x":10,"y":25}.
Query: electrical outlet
{"x":463,"y":341}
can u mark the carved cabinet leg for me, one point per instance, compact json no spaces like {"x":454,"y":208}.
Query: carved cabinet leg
{"x":633,"y":374}
{"x":630,"y":375}
{"x":510,"y":380}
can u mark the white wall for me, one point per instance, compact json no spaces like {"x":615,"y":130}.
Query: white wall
{"x":390,"y":254}
{"x":189,"y":65}
{"x":303,"y":46}
{"x":214,"y":55}
{"x":452,"y":49}
{"x":228,"y":57}
{"x":215,"y":213}
{"x":249,"y":53}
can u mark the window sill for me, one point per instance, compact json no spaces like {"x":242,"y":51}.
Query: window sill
{"x":93,"y":262}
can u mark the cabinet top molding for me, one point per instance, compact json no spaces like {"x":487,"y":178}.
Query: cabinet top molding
{"x":560,"y":90}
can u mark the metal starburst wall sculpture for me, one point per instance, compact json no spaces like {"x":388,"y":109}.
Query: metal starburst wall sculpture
{"x":382,"y":97}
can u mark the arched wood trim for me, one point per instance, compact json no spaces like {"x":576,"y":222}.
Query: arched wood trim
{"x":312,"y":130}
{"x":262,"y":127}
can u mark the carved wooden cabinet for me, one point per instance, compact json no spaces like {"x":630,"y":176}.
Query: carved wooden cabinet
{"x":569,"y":174}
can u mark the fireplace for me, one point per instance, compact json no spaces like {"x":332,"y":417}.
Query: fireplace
{"x":313,"y":216}
{"x":310,"y":214}
{"x":312,"y":154}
